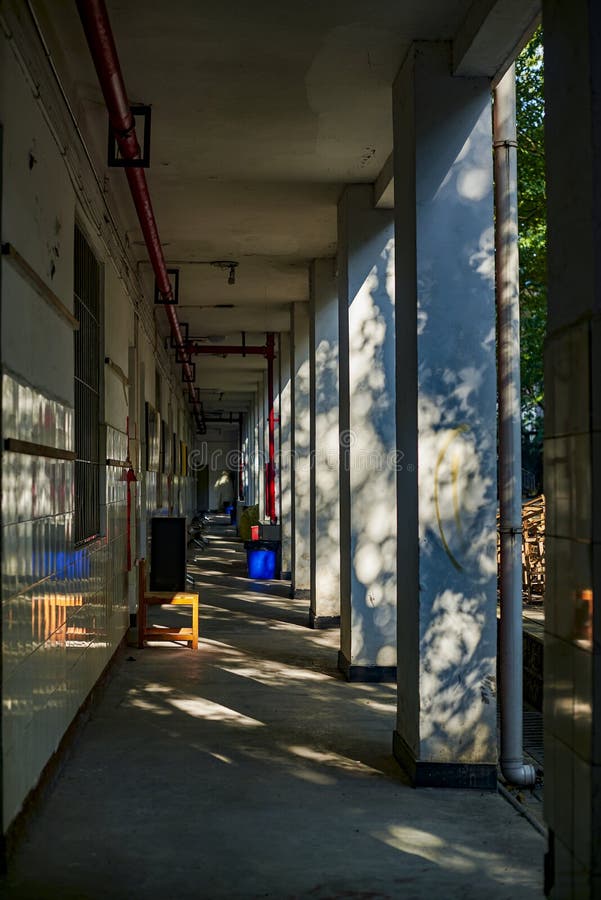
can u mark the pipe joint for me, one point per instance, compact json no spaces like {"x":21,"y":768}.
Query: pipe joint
{"x":124,"y":133}
{"x":518,"y":773}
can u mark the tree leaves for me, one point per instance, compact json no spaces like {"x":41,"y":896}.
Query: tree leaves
{"x":532,"y":243}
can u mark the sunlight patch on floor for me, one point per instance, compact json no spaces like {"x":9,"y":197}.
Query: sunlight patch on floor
{"x":453,"y":856}
{"x":138,"y":702}
{"x":329,"y":758}
{"x":273,"y":673}
{"x":202,"y":708}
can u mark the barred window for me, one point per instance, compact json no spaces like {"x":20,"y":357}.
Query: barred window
{"x":87,"y":390}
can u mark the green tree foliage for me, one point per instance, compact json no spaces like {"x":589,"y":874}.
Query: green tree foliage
{"x":532,"y":243}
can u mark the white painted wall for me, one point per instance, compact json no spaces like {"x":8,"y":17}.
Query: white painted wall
{"x":324,"y":437}
{"x":64,"y":609}
{"x":38,"y":213}
{"x":301,"y":498}
{"x":285,"y":464}
{"x":367,"y":432}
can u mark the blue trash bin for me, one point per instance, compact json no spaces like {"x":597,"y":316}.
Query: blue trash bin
{"x":262,"y":559}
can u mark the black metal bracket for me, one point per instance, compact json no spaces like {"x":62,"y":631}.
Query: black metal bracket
{"x":142,"y":162}
{"x":185,"y":330}
{"x":180,"y":357}
{"x":174,"y":281}
{"x":185,"y":377}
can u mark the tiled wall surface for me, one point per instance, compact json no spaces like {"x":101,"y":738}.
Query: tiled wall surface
{"x":184,"y":495}
{"x":64,"y":609}
{"x":570,"y":654}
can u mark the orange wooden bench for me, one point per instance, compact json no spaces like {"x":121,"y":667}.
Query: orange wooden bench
{"x":164,"y":598}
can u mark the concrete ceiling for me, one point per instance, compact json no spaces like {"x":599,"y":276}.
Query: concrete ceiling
{"x":261,"y":113}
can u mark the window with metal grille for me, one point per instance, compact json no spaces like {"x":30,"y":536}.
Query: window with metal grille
{"x":87,"y":390}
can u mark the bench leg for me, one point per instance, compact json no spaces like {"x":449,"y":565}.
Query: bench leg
{"x":141,"y":603}
{"x":141,"y":624}
{"x":195,"y":624}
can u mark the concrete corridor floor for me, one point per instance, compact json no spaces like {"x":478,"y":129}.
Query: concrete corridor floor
{"x":251,"y":769}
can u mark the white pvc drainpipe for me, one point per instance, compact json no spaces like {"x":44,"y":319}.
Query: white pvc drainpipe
{"x":510,"y":457}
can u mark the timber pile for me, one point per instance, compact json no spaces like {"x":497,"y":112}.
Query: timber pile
{"x":533,"y":549}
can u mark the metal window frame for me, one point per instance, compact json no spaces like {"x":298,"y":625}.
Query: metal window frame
{"x":89,"y":525}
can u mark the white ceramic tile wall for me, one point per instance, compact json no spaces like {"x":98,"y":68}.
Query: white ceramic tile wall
{"x":582,"y":812}
{"x":595,"y":831}
{"x":64,"y":609}
{"x":570,"y":653}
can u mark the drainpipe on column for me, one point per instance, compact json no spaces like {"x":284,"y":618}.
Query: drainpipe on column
{"x":510,"y":453}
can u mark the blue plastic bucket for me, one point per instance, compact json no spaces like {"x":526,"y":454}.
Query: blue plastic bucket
{"x":261,"y":564}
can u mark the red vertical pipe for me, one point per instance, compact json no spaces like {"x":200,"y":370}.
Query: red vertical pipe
{"x":99,"y":35}
{"x":271,"y":421}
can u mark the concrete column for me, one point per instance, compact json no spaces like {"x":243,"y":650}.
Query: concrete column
{"x":248,"y":459}
{"x":244,"y":457}
{"x":324,"y":475}
{"x":301,"y":492}
{"x":277,"y":437}
{"x":572,"y":699}
{"x":285,"y":462}
{"x":254,"y":452}
{"x":446,"y":423}
{"x":367,"y":438}
{"x":260,"y":448}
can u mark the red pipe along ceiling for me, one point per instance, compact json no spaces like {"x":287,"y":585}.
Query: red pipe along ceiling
{"x":97,"y":28}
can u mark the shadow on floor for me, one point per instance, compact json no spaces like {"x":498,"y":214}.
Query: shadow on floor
{"x":251,"y":769}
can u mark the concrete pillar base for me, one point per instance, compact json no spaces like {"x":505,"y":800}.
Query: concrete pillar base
{"x":372,"y":674}
{"x":480,"y":776}
{"x":323,"y":621}
{"x":300,"y":594}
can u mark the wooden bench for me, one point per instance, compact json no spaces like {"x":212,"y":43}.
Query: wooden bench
{"x":164,"y":598}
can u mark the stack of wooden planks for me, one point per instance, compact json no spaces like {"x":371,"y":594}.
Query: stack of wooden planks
{"x":533,"y":549}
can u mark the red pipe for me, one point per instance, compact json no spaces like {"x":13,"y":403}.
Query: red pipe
{"x":97,"y":28}
{"x":271,"y":461}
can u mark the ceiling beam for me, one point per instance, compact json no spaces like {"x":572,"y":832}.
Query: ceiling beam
{"x":492,"y":35}
{"x":384,"y":186}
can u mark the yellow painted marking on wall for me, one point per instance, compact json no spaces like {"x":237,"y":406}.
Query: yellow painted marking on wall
{"x":454,"y":479}
{"x":455,"y":487}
